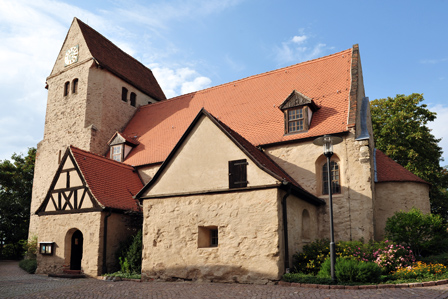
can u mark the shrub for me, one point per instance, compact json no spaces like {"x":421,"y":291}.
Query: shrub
{"x":420,"y":270}
{"x":393,"y":257}
{"x":351,"y":270}
{"x":435,"y":259}
{"x":425,"y":234}
{"x":312,"y":256}
{"x":29,"y":265}
{"x":129,"y":254}
{"x":30,"y":247}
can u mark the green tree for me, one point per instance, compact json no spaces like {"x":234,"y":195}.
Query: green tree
{"x":16,"y":182}
{"x":401,"y":132}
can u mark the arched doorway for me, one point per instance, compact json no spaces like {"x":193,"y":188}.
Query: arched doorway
{"x":76,"y":251}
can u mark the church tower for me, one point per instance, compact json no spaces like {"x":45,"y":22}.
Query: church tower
{"x":94,"y":89}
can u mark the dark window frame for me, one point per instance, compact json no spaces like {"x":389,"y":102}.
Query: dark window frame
{"x":46,"y":248}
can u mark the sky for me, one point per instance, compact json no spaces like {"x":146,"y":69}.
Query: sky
{"x":194,"y":44}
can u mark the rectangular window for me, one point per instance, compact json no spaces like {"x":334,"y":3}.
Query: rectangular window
{"x":334,"y":178}
{"x":296,"y":120}
{"x":116,"y":153}
{"x":46,"y":248}
{"x":238,"y":173}
{"x":207,"y":236}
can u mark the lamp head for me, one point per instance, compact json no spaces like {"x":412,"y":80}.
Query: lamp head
{"x":327,"y":141}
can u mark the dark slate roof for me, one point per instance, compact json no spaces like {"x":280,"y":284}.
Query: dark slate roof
{"x":120,"y":63}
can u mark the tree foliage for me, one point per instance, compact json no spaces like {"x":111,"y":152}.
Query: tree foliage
{"x":401,"y":132}
{"x":16,"y":181}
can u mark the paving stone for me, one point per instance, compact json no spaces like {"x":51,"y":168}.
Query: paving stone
{"x":16,"y":283}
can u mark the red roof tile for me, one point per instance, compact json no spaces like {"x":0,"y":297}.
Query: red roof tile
{"x":250,"y":107}
{"x":120,"y":63}
{"x":387,"y":170}
{"x":112,"y":183}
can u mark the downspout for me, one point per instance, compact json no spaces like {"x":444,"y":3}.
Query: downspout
{"x":105,"y":243}
{"x":285,"y":226}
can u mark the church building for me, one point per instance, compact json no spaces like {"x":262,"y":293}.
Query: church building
{"x":227,"y":180}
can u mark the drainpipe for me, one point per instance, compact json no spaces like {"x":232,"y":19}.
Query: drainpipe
{"x":285,"y":227}
{"x":105,"y":243}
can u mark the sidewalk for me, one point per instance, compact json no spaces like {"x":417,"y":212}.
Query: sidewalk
{"x":16,"y":283}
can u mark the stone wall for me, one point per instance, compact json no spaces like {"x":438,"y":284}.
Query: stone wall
{"x":392,"y":197}
{"x":248,"y":229}
{"x":59,"y":229}
{"x":353,"y":207}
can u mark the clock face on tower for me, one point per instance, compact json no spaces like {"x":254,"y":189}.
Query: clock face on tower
{"x":71,"y":56}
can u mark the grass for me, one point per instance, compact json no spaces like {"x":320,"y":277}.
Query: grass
{"x":124,"y":275}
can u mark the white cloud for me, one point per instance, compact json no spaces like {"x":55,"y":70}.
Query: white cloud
{"x":179,"y":81}
{"x":440,"y":128}
{"x":299,"y":39}
{"x":298,"y":49}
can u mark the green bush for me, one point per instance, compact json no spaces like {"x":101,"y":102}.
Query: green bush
{"x":425,"y":234}
{"x":129,"y":254}
{"x":312,"y":256}
{"x":29,"y":266}
{"x":351,"y":270}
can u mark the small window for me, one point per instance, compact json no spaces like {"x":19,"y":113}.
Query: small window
{"x":46,"y":248}
{"x":124,"y":94}
{"x":75,"y":85}
{"x":238,"y":173}
{"x":207,"y":236}
{"x":296,"y":120}
{"x":133,"y":99}
{"x":66,"y":88}
{"x":117,"y":153}
{"x":334,"y":178}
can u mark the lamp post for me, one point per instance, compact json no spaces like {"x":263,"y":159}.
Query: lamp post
{"x":327,"y":141}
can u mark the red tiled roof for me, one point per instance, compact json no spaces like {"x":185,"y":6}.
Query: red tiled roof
{"x":112,"y":183}
{"x":387,"y":170}
{"x":121,"y":64}
{"x":250,"y":107}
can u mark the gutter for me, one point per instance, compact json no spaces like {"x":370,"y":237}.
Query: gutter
{"x":104,"y":270}
{"x":285,"y":226}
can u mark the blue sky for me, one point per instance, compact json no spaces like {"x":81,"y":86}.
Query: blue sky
{"x":191,"y":45}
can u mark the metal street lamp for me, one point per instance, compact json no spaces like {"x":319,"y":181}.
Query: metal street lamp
{"x":327,"y":141}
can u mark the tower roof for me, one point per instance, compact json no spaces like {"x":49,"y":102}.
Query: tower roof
{"x":115,"y":60}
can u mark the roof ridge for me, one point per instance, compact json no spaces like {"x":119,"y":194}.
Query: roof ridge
{"x":113,"y":44}
{"x":180,"y":97}
{"x":105,"y":159}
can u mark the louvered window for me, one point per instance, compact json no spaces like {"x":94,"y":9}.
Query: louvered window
{"x":238,"y":173}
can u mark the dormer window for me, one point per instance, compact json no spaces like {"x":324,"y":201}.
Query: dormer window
{"x":121,"y":145}
{"x":298,"y":110}
{"x":117,"y":152}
